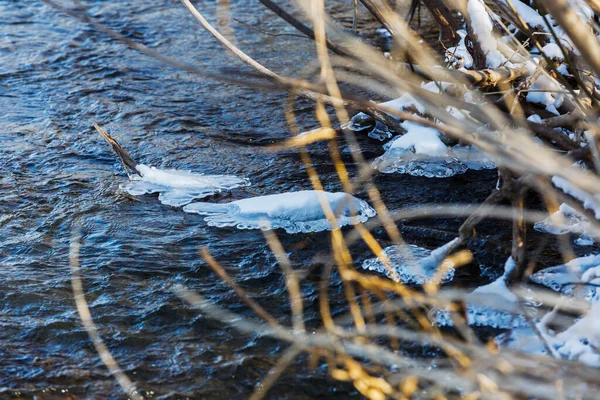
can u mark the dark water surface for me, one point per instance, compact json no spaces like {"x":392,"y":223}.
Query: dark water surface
{"x":59,"y":76}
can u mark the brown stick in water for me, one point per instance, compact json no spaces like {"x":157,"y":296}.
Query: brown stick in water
{"x":127,"y":161}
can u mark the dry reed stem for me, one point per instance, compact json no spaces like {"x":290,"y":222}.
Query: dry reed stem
{"x":88,"y":322}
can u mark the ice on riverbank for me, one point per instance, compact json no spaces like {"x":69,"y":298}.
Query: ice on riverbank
{"x":492,"y":305}
{"x":421,"y":152}
{"x":413,"y":264}
{"x":294,"y":211}
{"x":560,"y":277}
{"x":567,"y":220}
{"x":579,"y":341}
{"x":179,"y":187}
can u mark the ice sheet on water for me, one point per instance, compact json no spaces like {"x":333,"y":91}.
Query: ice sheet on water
{"x":294,"y":211}
{"x":421,"y":152}
{"x":579,"y":342}
{"x":558,"y":277}
{"x":178,"y":187}
{"x":567,"y":220}
{"x":362,"y":122}
{"x":492,"y":305}
{"x":413,"y":264}
{"x":590,"y":201}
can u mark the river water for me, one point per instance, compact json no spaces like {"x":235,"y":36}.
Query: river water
{"x":58,"y":76}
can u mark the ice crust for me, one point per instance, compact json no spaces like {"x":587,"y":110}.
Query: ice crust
{"x":294,"y":211}
{"x":413,"y":264}
{"x":567,"y":220}
{"x":580,"y":341}
{"x":590,"y":202}
{"x":492,"y":305}
{"x":558,"y":277}
{"x":179,"y":187}
{"x":421,"y":152}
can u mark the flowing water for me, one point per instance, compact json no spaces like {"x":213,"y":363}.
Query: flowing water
{"x":58,"y":76}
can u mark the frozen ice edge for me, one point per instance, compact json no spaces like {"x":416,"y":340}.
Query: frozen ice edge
{"x":179,"y":187}
{"x":580,"y":341}
{"x":294,"y":212}
{"x":413,"y":264}
{"x":482,"y":305}
{"x":421,"y":152}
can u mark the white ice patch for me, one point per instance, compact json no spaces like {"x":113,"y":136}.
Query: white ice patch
{"x":413,"y":264}
{"x":421,"y":152}
{"x":581,"y":341}
{"x":567,"y":220}
{"x":294,"y":211}
{"x":559,"y":277}
{"x":492,"y":305}
{"x":178,"y":187}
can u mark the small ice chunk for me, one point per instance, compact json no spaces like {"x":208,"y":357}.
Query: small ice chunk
{"x":294,"y":211}
{"x":492,"y":305}
{"x":380,"y":132}
{"x":567,"y":220}
{"x":581,"y":341}
{"x":535,"y":118}
{"x":558,"y":277}
{"x":413,"y":264}
{"x":584,"y":241}
{"x":178,"y":187}
{"x":421,"y":139}
{"x":363,"y":122}
{"x":421,"y":152}
{"x":590,"y":202}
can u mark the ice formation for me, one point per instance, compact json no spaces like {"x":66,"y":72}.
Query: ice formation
{"x":580,"y":341}
{"x":413,"y":264}
{"x":177,"y":187}
{"x":492,"y":305}
{"x":558,"y":277}
{"x":294,"y":211}
{"x":362,"y":122}
{"x":567,"y":220}
{"x":421,"y":152}
{"x":590,"y":202}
